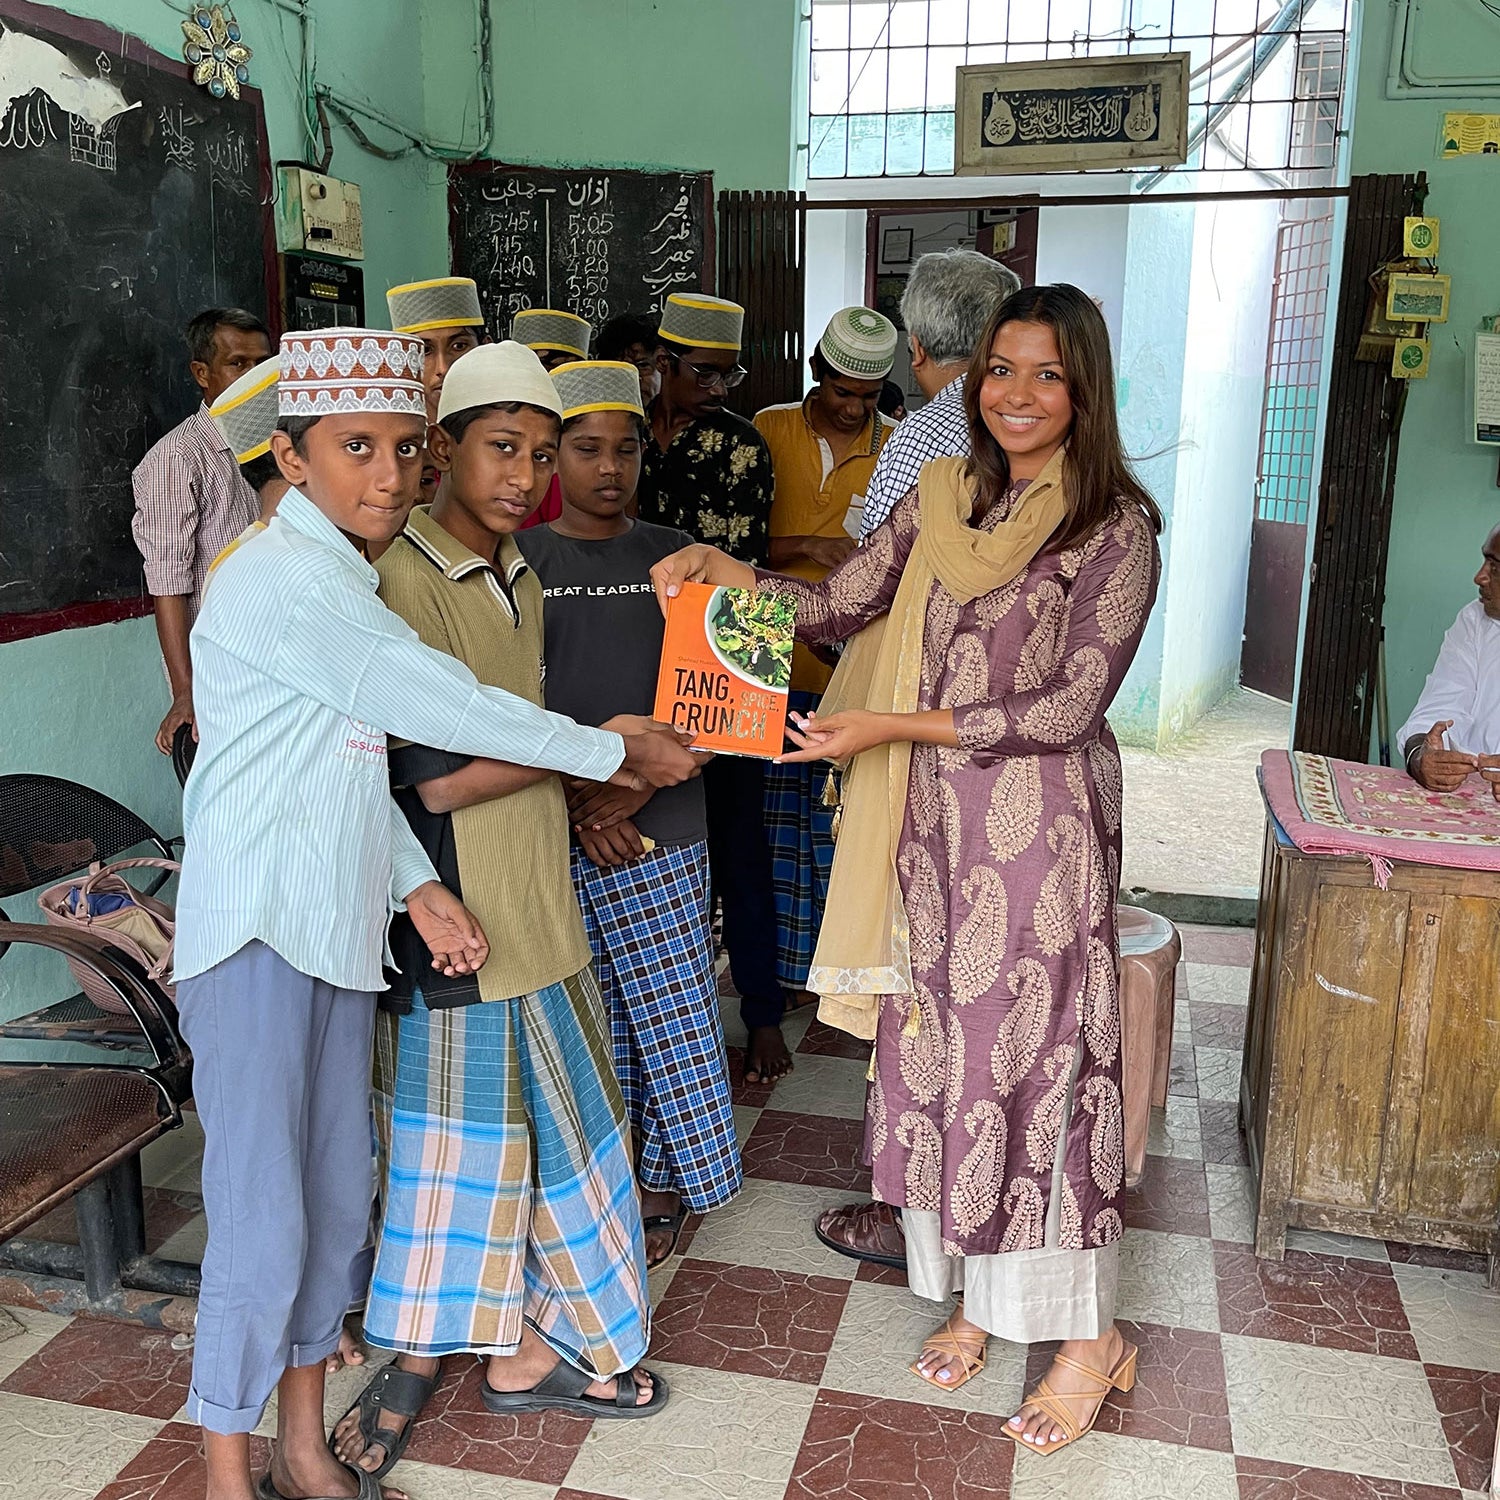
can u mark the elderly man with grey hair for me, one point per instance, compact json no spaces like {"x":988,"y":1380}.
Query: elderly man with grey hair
{"x":948,"y":299}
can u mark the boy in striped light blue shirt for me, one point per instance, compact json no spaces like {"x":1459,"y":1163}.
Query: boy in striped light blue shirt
{"x":296,"y":855}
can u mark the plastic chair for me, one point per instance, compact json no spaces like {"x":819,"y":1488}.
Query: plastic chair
{"x":1150,"y":950}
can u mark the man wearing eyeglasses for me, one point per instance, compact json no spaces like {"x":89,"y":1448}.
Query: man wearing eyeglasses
{"x":707,"y":471}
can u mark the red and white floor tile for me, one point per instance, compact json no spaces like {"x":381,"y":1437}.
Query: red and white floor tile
{"x":1352,"y":1370}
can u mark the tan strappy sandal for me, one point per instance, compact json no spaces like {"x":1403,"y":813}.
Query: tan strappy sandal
{"x":1055,"y":1404}
{"x":970,"y":1349}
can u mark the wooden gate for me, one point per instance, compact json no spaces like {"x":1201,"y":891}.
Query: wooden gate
{"x":762,"y":250}
{"x":1347,"y":594}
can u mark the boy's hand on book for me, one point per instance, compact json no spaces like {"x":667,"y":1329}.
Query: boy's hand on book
{"x":449,"y":929}
{"x":659,"y":756}
{"x":698,"y":564}
{"x":619,"y":845}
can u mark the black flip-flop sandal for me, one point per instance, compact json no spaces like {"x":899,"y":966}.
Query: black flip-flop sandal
{"x":674,"y":1222}
{"x":368,"y":1488}
{"x":563,"y":1390}
{"x":403,"y":1394}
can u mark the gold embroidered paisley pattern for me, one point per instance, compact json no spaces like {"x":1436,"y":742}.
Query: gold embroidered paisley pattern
{"x":1045,"y":1129}
{"x":993,"y":607}
{"x":1078,"y":783}
{"x":967,"y":678}
{"x":1048,"y":606}
{"x":979,"y":728}
{"x":1108,"y":1227}
{"x":1067,"y":711}
{"x":1101,"y":1004}
{"x":1101,"y":1097}
{"x":953,"y":1084}
{"x":976,"y":1187}
{"x":1059,"y":905}
{"x":1108,"y":784}
{"x":926,"y":912}
{"x":979,"y":946}
{"x":922,"y":1049}
{"x":924,"y":1161}
{"x":875,"y":1107}
{"x":1028,"y":1216}
{"x":1069,"y":1219}
{"x":1123,"y":601}
{"x":1024,"y":1028}
{"x":1015,"y":811}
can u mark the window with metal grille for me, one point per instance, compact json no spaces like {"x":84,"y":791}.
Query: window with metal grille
{"x":1294,"y":362}
{"x":881,"y":80}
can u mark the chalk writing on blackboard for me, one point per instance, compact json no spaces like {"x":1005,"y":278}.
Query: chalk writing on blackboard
{"x":592,"y":241}
{"x":178,"y":144}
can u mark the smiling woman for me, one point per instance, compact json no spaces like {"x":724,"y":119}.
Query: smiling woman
{"x":972,"y":897}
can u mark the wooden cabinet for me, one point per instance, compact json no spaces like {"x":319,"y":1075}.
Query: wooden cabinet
{"x":1370,"y":1094}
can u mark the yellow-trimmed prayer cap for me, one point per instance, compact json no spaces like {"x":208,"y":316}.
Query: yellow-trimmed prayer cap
{"x":246,"y":412}
{"x":446,"y":302}
{"x":550,"y":328}
{"x":700,"y":322}
{"x":598,"y":385}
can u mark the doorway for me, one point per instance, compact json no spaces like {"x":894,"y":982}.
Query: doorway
{"x":1286,"y":479}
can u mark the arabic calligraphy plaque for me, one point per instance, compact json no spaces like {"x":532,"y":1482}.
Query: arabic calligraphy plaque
{"x":1072,"y":113}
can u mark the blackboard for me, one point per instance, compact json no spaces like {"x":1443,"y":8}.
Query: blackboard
{"x":597,"y":242}
{"x":111,"y":238}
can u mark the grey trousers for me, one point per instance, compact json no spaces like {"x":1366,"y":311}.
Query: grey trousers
{"x":281,"y":1076}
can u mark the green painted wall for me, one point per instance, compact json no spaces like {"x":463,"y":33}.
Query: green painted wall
{"x":688,"y":84}
{"x":85,"y":703}
{"x":1446,"y":499}
{"x":675,"y":83}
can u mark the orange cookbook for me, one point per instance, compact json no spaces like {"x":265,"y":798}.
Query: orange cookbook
{"x":726,"y":667}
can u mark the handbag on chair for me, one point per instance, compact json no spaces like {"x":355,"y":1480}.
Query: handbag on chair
{"x":107,"y":906}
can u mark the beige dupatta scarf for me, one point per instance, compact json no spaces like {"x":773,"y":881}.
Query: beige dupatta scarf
{"x":864,"y":946}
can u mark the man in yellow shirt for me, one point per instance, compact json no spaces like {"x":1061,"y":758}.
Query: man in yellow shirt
{"x":823,"y":451}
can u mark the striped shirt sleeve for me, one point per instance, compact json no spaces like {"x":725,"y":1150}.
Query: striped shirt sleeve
{"x":410,"y":866}
{"x":343,"y":648}
{"x":165,"y":524}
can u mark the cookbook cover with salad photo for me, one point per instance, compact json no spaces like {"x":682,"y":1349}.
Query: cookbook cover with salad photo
{"x":726,"y":668}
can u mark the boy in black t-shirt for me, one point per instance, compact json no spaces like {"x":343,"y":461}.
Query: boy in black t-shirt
{"x":640,"y":861}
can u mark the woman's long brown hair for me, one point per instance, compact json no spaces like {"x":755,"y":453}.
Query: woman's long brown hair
{"x":1099,"y":480}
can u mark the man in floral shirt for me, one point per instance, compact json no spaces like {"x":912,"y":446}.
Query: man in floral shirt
{"x":707,"y":471}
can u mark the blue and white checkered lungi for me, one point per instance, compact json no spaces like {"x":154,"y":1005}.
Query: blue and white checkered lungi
{"x":648,"y":925}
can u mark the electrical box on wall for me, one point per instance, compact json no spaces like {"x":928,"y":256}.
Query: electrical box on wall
{"x":320,"y":293}
{"x":317,"y":213}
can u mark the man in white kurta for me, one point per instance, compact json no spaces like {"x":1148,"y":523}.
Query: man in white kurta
{"x":1454,"y":730}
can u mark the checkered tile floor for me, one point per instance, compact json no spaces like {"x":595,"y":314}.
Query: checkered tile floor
{"x":1354,"y":1370}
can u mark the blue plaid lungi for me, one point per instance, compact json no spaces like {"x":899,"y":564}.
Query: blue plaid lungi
{"x":509,"y":1196}
{"x":800,"y":831}
{"x":647,"y":923}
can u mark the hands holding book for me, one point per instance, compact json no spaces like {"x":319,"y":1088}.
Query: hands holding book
{"x":699,"y":564}
{"x":655,"y":754}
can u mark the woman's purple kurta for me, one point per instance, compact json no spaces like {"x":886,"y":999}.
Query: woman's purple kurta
{"x":1009,"y":863}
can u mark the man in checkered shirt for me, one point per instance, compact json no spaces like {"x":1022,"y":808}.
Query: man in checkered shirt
{"x":190,"y":501}
{"x":948,"y":299}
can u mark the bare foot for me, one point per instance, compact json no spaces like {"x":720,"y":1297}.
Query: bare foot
{"x":949,"y":1369}
{"x":535,"y":1360}
{"x":766,"y":1055}
{"x":1033,"y":1426}
{"x":349,"y":1442}
{"x":660,"y":1242}
{"x":317,"y":1473}
{"x":350,"y":1351}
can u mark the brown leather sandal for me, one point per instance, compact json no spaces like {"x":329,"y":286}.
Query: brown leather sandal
{"x":864,"y":1231}
{"x":970,"y":1350}
{"x":1054,"y":1404}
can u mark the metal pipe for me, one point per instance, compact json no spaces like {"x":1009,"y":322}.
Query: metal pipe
{"x":65,"y":1296}
{"x":1275,"y":37}
{"x":1067,"y":200}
